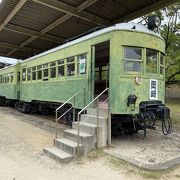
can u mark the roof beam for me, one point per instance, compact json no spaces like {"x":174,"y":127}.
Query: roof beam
{"x":13,"y":56}
{"x":30,"y":32}
{"x":73,"y":11}
{"x":148,"y":9}
{"x":14,"y":46}
{"x":81,"y":7}
{"x":12,"y":13}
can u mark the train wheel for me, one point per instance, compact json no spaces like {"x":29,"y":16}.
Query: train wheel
{"x":26,"y":107}
{"x":2,"y":102}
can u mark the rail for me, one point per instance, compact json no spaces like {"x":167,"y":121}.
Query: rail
{"x":80,"y":112}
{"x":72,"y":107}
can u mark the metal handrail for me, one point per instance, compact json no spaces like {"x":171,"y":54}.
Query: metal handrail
{"x":80,"y":112}
{"x":73,"y":106}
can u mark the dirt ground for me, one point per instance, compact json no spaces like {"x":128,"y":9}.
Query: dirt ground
{"x":22,"y":139}
{"x":155,"y":148}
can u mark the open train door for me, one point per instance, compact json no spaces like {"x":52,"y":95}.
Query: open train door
{"x":100,"y":71}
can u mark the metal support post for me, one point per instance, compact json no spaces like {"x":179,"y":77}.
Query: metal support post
{"x":78,"y":150}
{"x":74,"y":102}
{"x":97,"y":135}
{"x":56,"y":124}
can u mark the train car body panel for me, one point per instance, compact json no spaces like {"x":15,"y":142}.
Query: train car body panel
{"x":123,"y":83}
{"x":128,"y":59}
{"x":59,"y":89}
{"x":9,"y":87}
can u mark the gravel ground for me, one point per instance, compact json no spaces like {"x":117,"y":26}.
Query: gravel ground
{"x":22,"y":158}
{"x":153,"y":149}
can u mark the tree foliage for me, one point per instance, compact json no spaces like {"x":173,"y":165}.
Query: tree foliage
{"x":170,"y":31}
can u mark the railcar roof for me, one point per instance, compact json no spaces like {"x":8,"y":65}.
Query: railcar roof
{"x":30,"y":27}
{"x":118,"y":27}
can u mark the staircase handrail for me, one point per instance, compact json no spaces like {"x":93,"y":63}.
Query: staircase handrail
{"x":68,"y":102}
{"x":80,"y":112}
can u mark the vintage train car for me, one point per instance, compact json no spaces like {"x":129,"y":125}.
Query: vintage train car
{"x":126,"y":58}
{"x":9,"y":84}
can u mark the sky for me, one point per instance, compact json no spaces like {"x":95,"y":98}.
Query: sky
{"x":8,"y":60}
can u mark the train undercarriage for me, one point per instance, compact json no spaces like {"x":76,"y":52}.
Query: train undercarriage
{"x":150,"y":113}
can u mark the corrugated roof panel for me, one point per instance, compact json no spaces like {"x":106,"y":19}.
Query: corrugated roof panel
{"x":72,"y":2}
{"x":72,"y":27}
{"x":41,"y":44}
{"x":12,"y":37}
{"x":108,"y":9}
{"x":6,"y":7}
{"x":35,"y":16}
{"x":4,"y":50}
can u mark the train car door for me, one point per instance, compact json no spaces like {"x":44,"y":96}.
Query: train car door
{"x":100,"y":69}
{"x":22,"y":79}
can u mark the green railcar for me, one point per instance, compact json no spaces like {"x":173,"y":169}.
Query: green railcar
{"x":126,"y":58}
{"x":9,"y":85}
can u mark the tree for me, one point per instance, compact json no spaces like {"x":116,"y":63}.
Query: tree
{"x":170,"y":31}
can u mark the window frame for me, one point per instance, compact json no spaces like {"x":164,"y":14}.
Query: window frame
{"x":61,"y":65}
{"x":133,"y":60}
{"x":78,"y":63}
{"x":157,"y":63}
{"x":53,"y":67}
{"x":22,"y":78}
{"x":45,"y":78}
{"x":71,"y":63}
{"x":161,"y":65}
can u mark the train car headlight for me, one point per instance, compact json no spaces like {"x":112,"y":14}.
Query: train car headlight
{"x":153,"y":22}
{"x":138,"y":80}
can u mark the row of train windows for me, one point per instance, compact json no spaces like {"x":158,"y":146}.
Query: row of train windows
{"x":60,"y":68}
{"x":133,"y":60}
{"x":6,"y":78}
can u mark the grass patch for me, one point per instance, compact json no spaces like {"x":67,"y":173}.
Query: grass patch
{"x":151,"y":174}
{"x":97,"y":153}
{"x":148,"y":174}
{"x":118,"y":163}
{"x":174,"y":105}
{"x":177,"y":175}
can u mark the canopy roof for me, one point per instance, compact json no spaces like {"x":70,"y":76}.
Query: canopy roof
{"x":29,"y":27}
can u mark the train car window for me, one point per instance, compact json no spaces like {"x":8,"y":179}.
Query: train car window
{"x":28,"y":74}
{"x":11,"y":77}
{"x":39,"y":72}
{"x":81,"y":64}
{"x":23,"y":74}
{"x":61,"y":71}
{"x":33,"y":73}
{"x":70,"y":59}
{"x":132,"y":59}
{"x":1,"y":79}
{"x":132,"y":53}
{"x":4,"y":78}
{"x":53,"y":70}
{"x":71,"y":66}
{"x":97,"y":76}
{"x":61,"y":68}
{"x":151,"y":61}
{"x":161,"y":64}
{"x":45,"y":71}
{"x":60,"y":62}
{"x":7,"y":78}
{"x":105,"y":70}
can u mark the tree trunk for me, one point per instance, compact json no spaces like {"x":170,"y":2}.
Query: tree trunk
{"x":178,"y":72}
